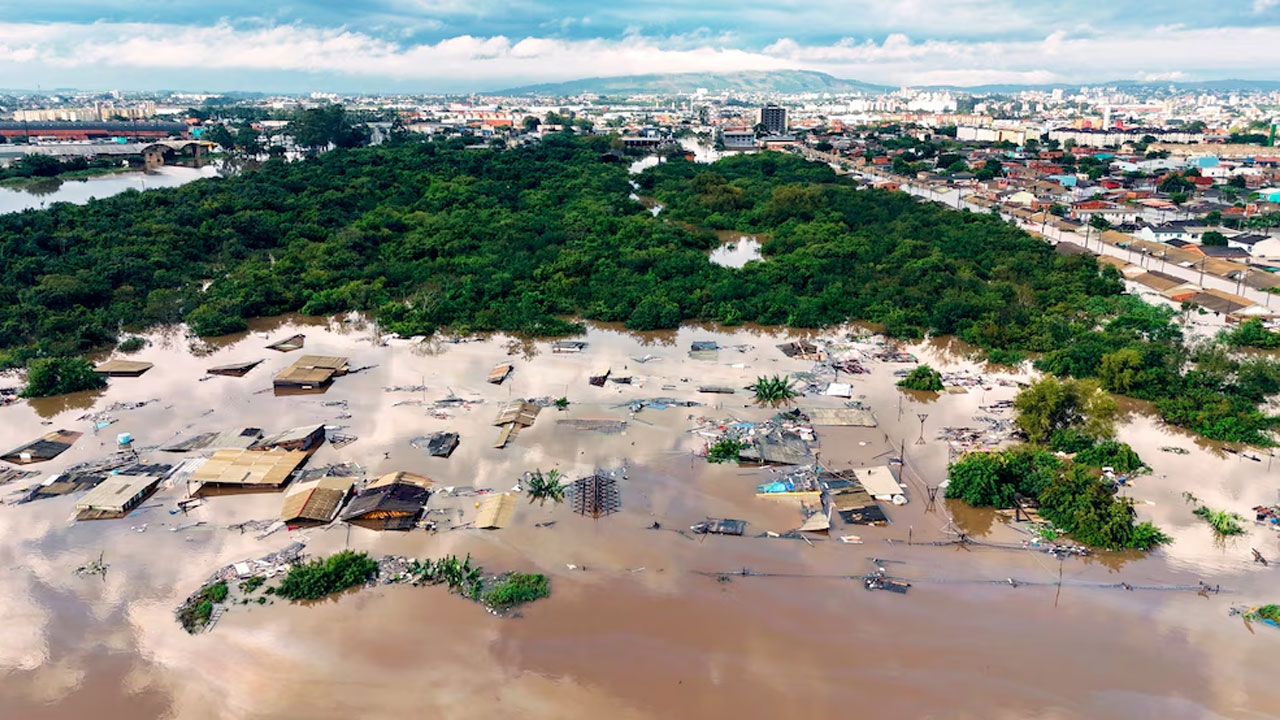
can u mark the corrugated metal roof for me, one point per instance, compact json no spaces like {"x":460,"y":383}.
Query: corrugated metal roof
{"x":879,"y":481}
{"x":517,"y":411}
{"x":268,"y":468}
{"x":316,"y":500}
{"x":496,"y":511}
{"x":841,"y":416}
{"x":115,"y":493}
{"x":402,"y":477}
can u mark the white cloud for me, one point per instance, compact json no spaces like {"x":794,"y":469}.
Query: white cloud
{"x":479,"y":62}
{"x":1261,"y":6}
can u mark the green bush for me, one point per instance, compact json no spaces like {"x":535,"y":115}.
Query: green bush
{"x":1069,"y":440}
{"x":922,"y":377}
{"x":133,"y":343}
{"x":1079,"y":503}
{"x":253,"y":583}
{"x":517,"y":589}
{"x":1110,"y":453}
{"x":320,"y":578}
{"x":1251,"y":333}
{"x":1223,"y":522}
{"x":195,"y":614}
{"x":993,"y":479}
{"x":1072,"y":496}
{"x":60,"y":375}
{"x":725,"y":450}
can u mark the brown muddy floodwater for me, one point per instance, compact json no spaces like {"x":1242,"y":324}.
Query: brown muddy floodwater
{"x":642,"y":628}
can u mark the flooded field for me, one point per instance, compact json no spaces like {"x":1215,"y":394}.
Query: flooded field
{"x":642,"y":622}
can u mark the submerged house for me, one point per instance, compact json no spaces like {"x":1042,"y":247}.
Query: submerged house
{"x":304,"y":438}
{"x":311,"y":372}
{"x":394,"y":501}
{"x":249,"y":469}
{"x":315,"y":501}
{"x":512,"y":417}
{"x":122,"y":368}
{"x":115,"y":497}
{"x":46,"y":447}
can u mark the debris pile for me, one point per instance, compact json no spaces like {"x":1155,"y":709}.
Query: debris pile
{"x":786,"y":439}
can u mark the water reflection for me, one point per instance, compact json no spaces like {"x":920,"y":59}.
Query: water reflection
{"x":79,"y":191}
{"x":123,"y":624}
{"x":737,"y":252}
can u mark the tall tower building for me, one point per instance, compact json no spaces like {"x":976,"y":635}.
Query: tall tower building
{"x":774,"y":119}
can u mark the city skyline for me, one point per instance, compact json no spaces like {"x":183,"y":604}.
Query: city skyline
{"x":454,"y":46}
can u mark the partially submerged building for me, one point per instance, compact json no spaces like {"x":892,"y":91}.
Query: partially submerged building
{"x":122,"y":368}
{"x":234,"y":369}
{"x":315,"y":501}
{"x":847,"y":417}
{"x":394,"y":501}
{"x":115,"y":497}
{"x":500,"y":373}
{"x":512,"y":417}
{"x":46,"y":447}
{"x":237,"y":439}
{"x":803,"y":350}
{"x":440,"y":444}
{"x":304,"y":437}
{"x":495,"y":511}
{"x":311,"y":372}
{"x":249,"y":469}
{"x":289,"y":344}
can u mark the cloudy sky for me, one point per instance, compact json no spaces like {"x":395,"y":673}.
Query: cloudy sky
{"x":459,"y":45}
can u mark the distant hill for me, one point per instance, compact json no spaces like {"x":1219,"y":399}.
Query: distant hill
{"x":746,"y":81}
{"x":1182,"y":86}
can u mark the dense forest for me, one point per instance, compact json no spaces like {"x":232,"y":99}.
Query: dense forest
{"x":432,"y":235}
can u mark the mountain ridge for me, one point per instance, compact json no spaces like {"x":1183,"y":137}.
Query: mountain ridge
{"x":756,"y":81}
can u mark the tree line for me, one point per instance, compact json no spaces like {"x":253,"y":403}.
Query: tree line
{"x":430,"y":235}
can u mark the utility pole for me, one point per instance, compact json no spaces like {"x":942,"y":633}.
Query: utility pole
{"x":922,"y":416}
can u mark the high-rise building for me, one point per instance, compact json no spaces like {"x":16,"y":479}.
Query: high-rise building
{"x":774,"y":119}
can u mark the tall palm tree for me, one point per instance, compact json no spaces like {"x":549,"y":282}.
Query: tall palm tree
{"x":545,"y":487}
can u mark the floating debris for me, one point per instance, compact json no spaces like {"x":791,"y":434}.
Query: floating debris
{"x":95,"y":567}
{"x":661,"y":403}
{"x":607,"y":427}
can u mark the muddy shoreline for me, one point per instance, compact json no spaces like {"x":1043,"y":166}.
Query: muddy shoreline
{"x":635,"y":629}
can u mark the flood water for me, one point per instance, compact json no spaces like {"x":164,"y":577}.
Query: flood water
{"x":80,"y":191}
{"x":642,"y":628}
{"x":736,"y":250}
